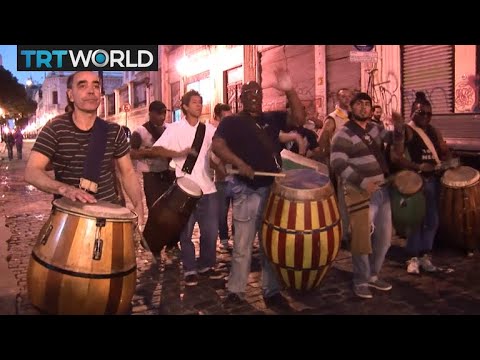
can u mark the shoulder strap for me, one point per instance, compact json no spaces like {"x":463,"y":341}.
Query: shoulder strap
{"x":156,"y":132}
{"x":95,"y":154}
{"x":371,"y":145}
{"x":428,"y":143}
{"x":196,"y":146}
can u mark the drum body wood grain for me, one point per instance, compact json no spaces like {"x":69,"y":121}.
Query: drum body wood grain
{"x":84,"y":260}
{"x":460,"y":208}
{"x":301,"y":230}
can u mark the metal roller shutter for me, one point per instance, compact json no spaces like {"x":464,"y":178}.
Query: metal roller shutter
{"x":428,"y":68}
{"x":300,"y":61}
{"x":341,"y":73}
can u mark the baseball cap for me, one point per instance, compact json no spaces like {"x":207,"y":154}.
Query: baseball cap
{"x":157,"y":106}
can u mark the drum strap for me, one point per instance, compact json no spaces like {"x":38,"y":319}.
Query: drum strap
{"x":95,"y":154}
{"x":155,"y":131}
{"x":426,"y":140}
{"x":196,"y":146}
{"x":371,"y":145}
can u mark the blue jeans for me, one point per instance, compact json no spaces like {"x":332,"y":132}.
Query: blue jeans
{"x":248,"y":208}
{"x":224,"y":199}
{"x":421,"y":241}
{"x":380,"y":214}
{"x":206,"y":214}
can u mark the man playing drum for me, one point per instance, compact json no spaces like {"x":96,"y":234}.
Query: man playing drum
{"x":357,"y":159}
{"x":250,"y":142}
{"x":425,"y":149}
{"x":65,"y":142}
{"x":177,"y":142}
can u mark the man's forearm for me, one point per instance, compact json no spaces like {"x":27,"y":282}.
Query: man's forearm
{"x":298,"y":111}
{"x":42,"y":181}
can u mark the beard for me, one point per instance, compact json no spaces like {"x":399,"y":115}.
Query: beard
{"x":360,"y":118}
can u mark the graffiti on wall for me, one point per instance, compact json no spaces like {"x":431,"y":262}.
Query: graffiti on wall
{"x":467,"y":92}
{"x":437,"y":97}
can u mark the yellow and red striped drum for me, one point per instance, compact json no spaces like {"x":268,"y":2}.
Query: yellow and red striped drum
{"x":301,"y":230}
{"x":84,"y":260}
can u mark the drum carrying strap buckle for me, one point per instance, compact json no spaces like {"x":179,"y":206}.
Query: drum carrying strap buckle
{"x":88,"y":185}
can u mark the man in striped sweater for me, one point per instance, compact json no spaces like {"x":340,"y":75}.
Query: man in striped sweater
{"x":64,"y":143}
{"x":357,"y":159}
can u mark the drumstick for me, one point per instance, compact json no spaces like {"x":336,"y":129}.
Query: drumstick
{"x":258,"y":173}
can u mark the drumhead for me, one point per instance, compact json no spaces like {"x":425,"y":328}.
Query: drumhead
{"x":189,"y":186}
{"x":460,"y":177}
{"x":304,"y":179}
{"x":407,"y":182}
{"x":101,"y":209}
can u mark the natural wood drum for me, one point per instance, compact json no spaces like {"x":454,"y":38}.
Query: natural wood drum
{"x":460,"y":208}
{"x":301,"y":230}
{"x":84,"y":260}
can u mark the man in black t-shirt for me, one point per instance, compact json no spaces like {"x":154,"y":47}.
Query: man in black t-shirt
{"x":250,"y":142}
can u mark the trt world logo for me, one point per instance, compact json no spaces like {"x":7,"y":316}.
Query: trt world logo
{"x":87,"y":57}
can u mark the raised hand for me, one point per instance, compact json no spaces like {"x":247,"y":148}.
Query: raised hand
{"x":284,"y":81}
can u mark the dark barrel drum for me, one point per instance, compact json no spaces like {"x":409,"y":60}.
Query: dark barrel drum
{"x":407,"y":201}
{"x":170,"y":213}
{"x":460,"y":208}
{"x":301,"y":230}
{"x":84,"y":260}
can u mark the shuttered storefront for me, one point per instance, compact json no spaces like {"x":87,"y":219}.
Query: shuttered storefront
{"x":300,"y":62}
{"x":341,"y":73}
{"x":428,"y":68}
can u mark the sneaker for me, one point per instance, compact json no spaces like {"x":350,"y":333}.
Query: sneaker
{"x":426,"y":264}
{"x":379,"y":284}
{"x":277,"y":302}
{"x":223,"y":249}
{"x":212,"y":274}
{"x":191,"y":280}
{"x":413,"y":266}
{"x":362,"y":291}
{"x":233,"y":299}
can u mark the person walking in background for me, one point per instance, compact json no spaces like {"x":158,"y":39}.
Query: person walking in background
{"x":18,"y":136}
{"x":224,"y":199}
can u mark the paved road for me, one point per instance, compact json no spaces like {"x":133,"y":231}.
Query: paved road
{"x":161,"y":290}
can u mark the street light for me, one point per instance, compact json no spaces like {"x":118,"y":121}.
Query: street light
{"x":29,"y":82}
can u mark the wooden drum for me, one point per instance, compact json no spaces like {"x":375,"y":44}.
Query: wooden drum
{"x":460,"y":208}
{"x":84,"y":260}
{"x":302,"y":228}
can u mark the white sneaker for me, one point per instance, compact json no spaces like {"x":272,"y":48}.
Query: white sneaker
{"x":413,"y":266}
{"x":426,"y":264}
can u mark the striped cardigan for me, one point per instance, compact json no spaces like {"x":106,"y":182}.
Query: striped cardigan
{"x":351,"y":159}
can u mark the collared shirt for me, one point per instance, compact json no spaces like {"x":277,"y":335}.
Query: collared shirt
{"x":179,"y":136}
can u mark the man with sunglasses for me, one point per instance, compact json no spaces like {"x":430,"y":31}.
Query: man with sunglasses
{"x":250,"y":142}
{"x":426,"y":148}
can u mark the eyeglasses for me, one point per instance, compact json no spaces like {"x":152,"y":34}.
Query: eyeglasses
{"x":423,"y":113}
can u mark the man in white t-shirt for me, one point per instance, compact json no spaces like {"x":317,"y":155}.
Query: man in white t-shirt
{"x":176,"y":142}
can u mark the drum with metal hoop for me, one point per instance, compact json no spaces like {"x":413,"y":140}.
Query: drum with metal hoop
{"x":301,"y":230}
{"x":84,"y":260}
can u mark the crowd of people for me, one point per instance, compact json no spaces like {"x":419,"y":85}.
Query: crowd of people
{"x":361,"y":153}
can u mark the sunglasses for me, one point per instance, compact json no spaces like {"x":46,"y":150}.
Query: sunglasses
{"x":423,"y":113}
{"x":252,"y":91}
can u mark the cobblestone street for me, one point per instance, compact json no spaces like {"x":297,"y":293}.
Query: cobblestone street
{"x":161,"y":290}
